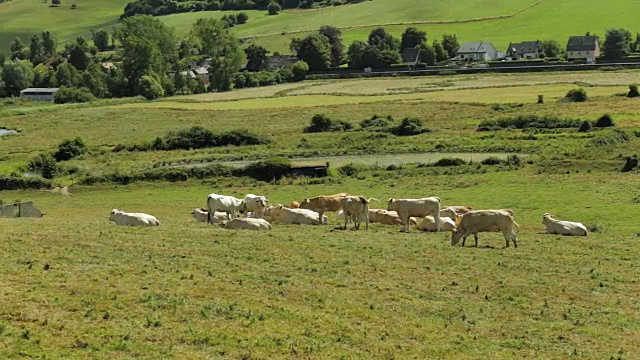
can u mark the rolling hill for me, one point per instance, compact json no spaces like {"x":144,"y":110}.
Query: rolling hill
{"x":489,"y":20}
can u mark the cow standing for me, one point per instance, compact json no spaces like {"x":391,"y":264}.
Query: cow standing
{"x":420,"y":208}
{"x":477,"y":221}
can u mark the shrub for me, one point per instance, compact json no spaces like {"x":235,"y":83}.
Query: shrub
{"x":321,"y":123}
{"x":615,"y":137}
{"x":514,"y":160}
{"x":528,"y":121}
{"x":73,"y":95}
{"x":242,"y":18}
{"x":449,"y":162}
{"x":150,"y":88}
{"x":631,"y":163}
{"x":45,"y":164}
{"x":70,"y":149}
{"x":299,"y":70}
{"x":540,"y":99}
{"x":267,"y":170}
{"x":585,"y":126}
{"x":377,"y":123}
{"x":350,"y":170}
{"x":409,"y":127}
{"x":492,"y":160}
{"x":273,"y":8}
{"x":576,"y":95}
{"x":633,"y":91}
{"x":604,"y":121}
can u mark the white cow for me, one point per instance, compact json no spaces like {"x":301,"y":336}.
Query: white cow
{"x":293,"y":216}
{"x":428,"y":223}
{"x":477,"y":221}
{"x":202,"y":215}
{"x":246,"y":224}
{"x":417,"y":208}
{"x":567,"y":228}
{"x":223,"y":203}
{"x":356,"y":209}
{"x":132,"y":219}
{"x":255,"y":205}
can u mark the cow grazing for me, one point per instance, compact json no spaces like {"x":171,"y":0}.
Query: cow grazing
{"x":223,"y":203}
{"x":478,"y":221}
{"x":428,"y":223}
{"x":356,"y":209}
{"x":567,"y":228}
{"x":294,"y":216}
{"x":294,"y":205}
{"x":417,"y":208}
{"x":322,"y":204}
{"x":202,"y":215}
{"x":246,"y":224}
{"x":255,"y":205}
{"x":132,"y":219}
{"x":453,"y":211}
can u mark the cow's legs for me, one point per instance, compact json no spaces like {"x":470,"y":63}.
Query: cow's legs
{"x":346,"y":220}
{"x":475,"y":236}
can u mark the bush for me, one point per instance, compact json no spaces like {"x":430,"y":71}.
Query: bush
{"x":321,"y":123}
{"x":273,"y":8}
{"x":73,"y":95}
{"x":150,"y":88}
{"x":70,"y":149}
{"x":449,"y":162}
{"x":299,"y":70}
{"x":242,"y":18}
{"x":615,"y":137}
{"x":267,"y":170}
{"x":576,"y":95}
{"x":633,"y":91}
{"x":45,"y":164}
{"x":585,"y":126}
{"x":631,"y":163}
{"x":377,"y":123}
{"x":350,"y":170}
{"x":514,"y":160}
{"x":409,"y":127}
{"x":492,"y":160}
{"x":604,"y":121}
{"x":528,"y":121}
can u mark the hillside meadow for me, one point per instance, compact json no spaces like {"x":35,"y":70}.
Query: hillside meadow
{"x":77,"y":286}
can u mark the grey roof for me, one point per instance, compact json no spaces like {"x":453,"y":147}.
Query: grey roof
{"x":478,"y":47}
{"x":410,"y":55}
{"x":40,"y":90}
{"x":582,"y":43}
{"x":524,"y":47}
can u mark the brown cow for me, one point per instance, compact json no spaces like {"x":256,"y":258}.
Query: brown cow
{"x":477,"y":221}
{"x":321,"y":204}
{"x":294,"y":205}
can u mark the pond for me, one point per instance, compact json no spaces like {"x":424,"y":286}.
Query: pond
{"x":379,"y":160}
{"x":4,"y":132}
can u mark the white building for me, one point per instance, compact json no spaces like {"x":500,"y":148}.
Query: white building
{"x":39,"y":94}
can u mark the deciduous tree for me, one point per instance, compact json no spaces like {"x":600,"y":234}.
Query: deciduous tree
{"x":412,"y":37}
{"x":617,"y":44}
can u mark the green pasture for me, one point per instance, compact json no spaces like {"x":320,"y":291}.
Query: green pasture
{"x":23,"y":18}
{"x":78,"y":286}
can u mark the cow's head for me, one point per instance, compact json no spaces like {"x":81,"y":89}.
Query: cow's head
{"x":112,"y":215}
{"x":456,"y":235}
{"x":390,"y":204}
{"x":546,"y":217}
{"x":305,"y":203}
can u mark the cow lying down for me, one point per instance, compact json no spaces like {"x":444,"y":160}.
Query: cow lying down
{"x":428,"y":223}
{"x":132,"y":219}
{"x":202,"y":215}
{"x":293,"y":216}
{"x":246,"y":224}
{"x":567,"y":228}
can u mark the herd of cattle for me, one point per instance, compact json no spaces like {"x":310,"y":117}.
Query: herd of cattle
{"x":426,"y":214}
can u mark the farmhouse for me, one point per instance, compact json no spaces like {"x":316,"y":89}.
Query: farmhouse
{"x":39,"y":94}
{"x":477,"y":51}
{"x":524,"y":50}
{"x":410,"y":56}
{"x":583,"y":48}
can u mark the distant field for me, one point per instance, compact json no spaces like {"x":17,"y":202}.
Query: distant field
{"x":23,"y":18}
{"x":546,"y":20}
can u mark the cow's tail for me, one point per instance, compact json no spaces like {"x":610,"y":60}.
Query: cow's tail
{"x":209,"y":210}
{"x":436,"y":216}
{"x":514,"y":230}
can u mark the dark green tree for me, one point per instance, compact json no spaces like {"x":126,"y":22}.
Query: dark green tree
{"x":67,"y":75}
{"x":334,"y":35}
{"x":355,"y":54}
{"x":17,"y":75}
{"x":36,"y":50}
{"x":223,"y":48}
{"x":256,"y":57}
{"x":242,"y":18}
{"x":427,"y":54}
{"x":78,"y":54}
{"x":315,"y":50}
{"x":382,"y":40}
{"x":18,"y":49}
{"x":617,"y":44}
{"x":412,"y":37}
{"x":49,"y":44}
{"x":450,"y":45}
{"x":100,"y":39}
{"x":551,"y":48}
{"x":273,"y":8}
{"x":441,"y":53}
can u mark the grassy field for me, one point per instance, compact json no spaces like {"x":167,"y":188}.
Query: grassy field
{"x":77,"y":286}
{"x":23,"y":18}
{"x":546,"y":20}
